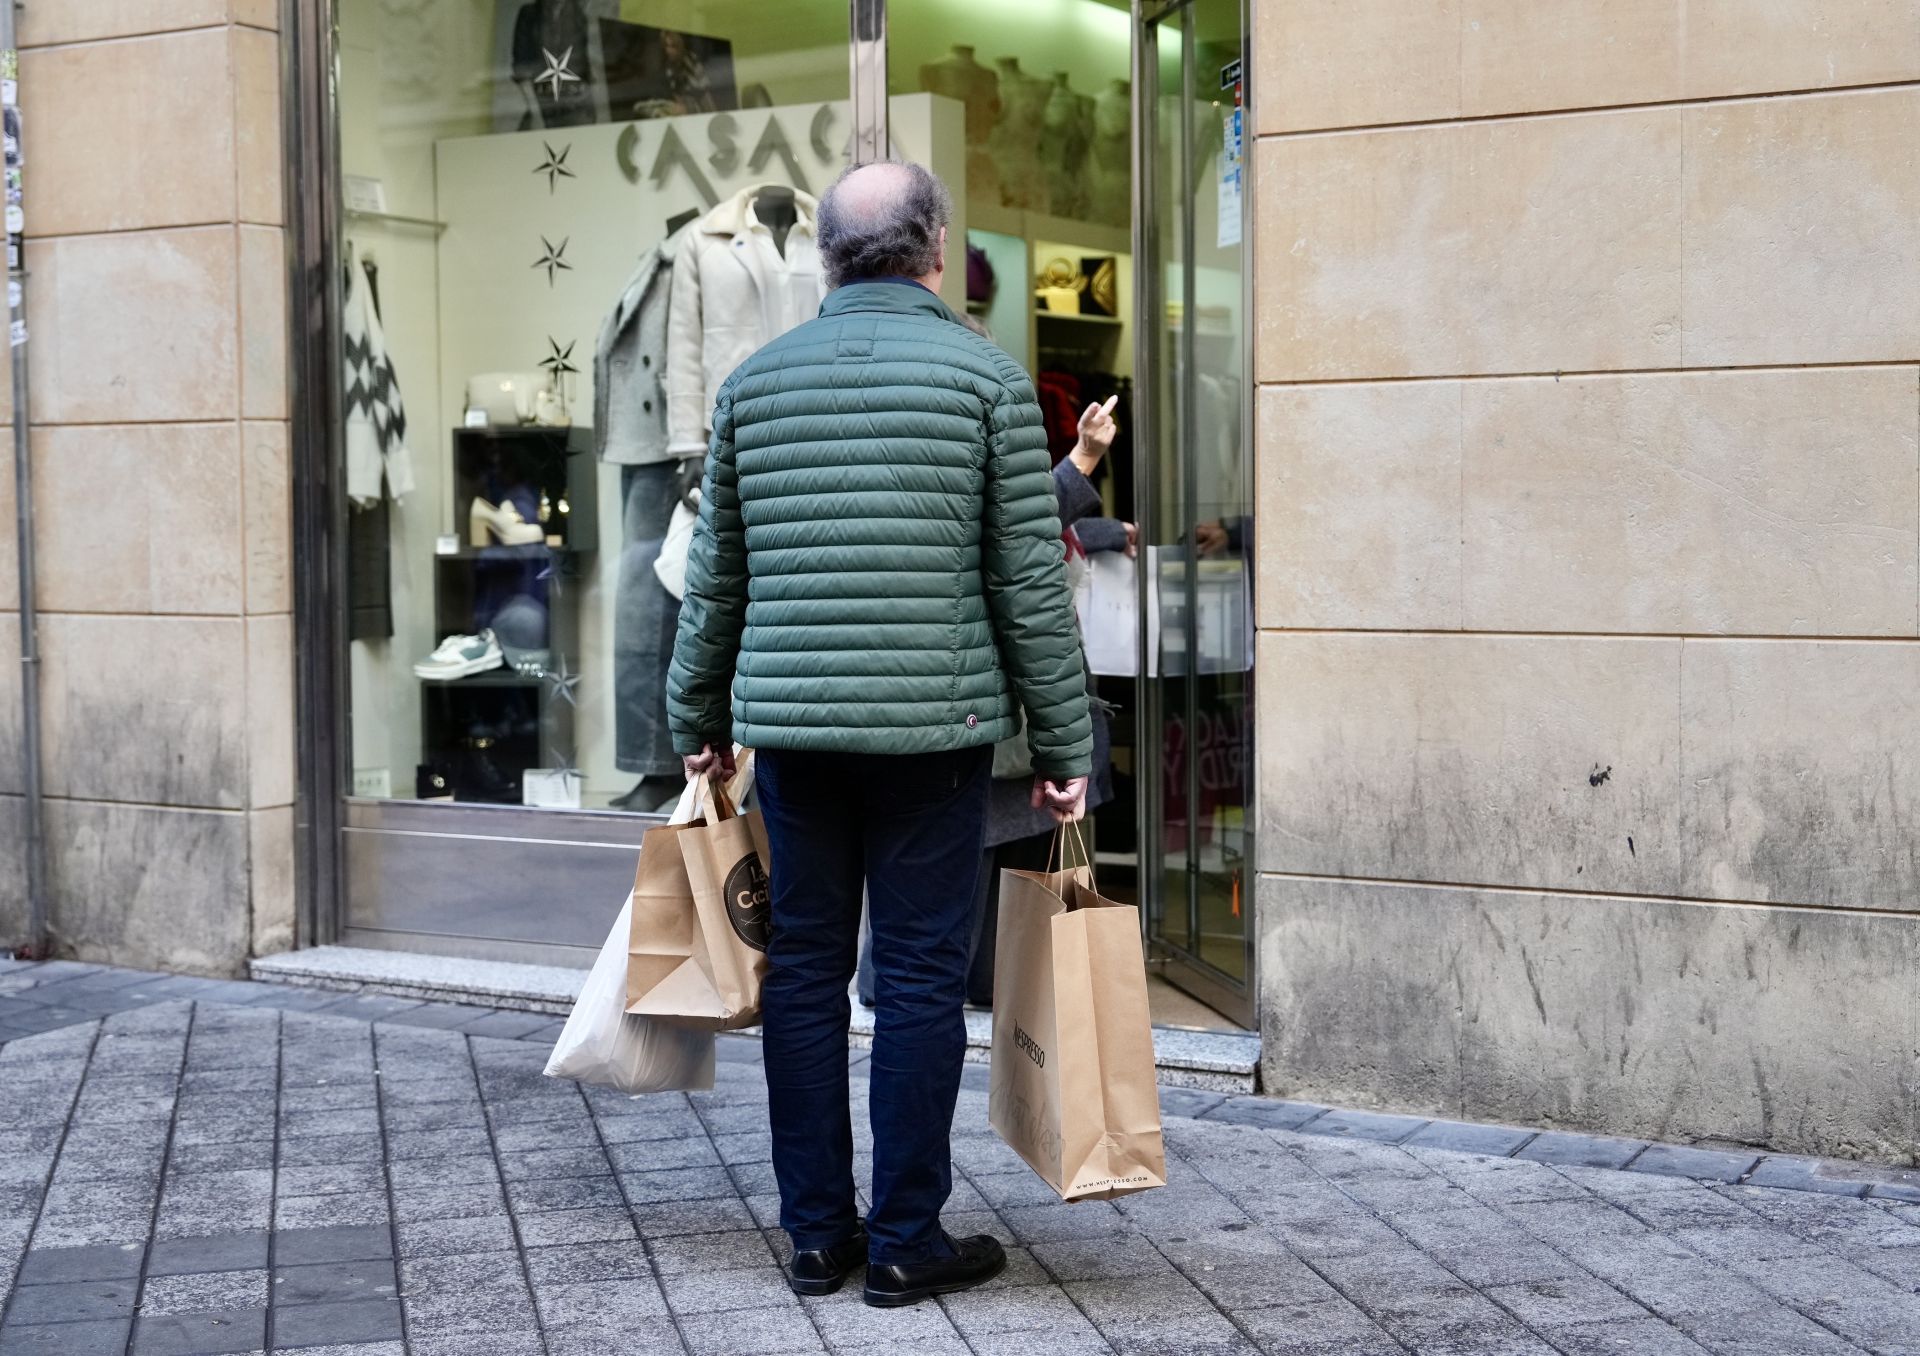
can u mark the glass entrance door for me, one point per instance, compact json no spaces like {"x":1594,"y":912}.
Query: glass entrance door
{"x":1196,"y":495}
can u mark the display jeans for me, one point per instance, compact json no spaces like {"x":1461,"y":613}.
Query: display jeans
{"x":645,"y":618}
{"x":910,"y":828}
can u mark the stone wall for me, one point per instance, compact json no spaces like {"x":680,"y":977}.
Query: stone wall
{"x":156,"y":306}
{"x":1589,"y":548}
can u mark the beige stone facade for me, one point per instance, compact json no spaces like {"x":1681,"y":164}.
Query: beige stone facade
{"x":159,"y":403}
{"x":1589,"y":542}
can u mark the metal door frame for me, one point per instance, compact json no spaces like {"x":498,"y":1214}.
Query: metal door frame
{"x":1178,"y":967}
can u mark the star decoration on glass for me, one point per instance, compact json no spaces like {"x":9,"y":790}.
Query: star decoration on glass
{"x":558,"y":362}
{"x":555,"y":165}
{"x":558,"y":72}
{"x":564,"y":682}
{"x":563,"y":765}
{"x":555,"y":257}
{"x":550,"y":573}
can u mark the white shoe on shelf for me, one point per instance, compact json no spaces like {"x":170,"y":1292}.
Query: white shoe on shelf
{"x":461,"y":657}
{"x":503,"y":520}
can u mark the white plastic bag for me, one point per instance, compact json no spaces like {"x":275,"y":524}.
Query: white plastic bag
{"x":670,"y":566}
{"x":604,"y":1043}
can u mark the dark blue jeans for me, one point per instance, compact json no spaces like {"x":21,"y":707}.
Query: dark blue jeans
{"x":645,"y":617}
{"x":911,"y":828}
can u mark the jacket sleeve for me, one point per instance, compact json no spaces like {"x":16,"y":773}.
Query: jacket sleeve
{"x":714,"y":611}
{"x":1078,"y":498}
{"x":686,"y":363}
{"x":1026,"y":582}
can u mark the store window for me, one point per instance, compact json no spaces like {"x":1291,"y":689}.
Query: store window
{"x":563,"y":222}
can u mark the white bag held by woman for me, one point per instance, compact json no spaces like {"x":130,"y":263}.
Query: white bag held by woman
{"x":603,"y":1043}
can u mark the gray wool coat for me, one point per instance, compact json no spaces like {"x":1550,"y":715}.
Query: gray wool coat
{"x":630,"y":362}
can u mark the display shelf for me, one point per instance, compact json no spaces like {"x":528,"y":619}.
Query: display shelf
{"x":1112,"y":321}
{"x":1098,"y":236}
{"x":531,"y":551}
{"x":505,"y":677}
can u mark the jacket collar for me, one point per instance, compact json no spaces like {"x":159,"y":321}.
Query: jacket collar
{"x":897,"y":296}
{"x":735,"y":215}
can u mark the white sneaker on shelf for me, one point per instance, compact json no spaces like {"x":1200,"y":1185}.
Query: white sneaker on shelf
{"x":461,"y":657}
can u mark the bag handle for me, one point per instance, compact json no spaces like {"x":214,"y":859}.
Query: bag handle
{"x":1057,"y":849}
{"x":716,"y":788}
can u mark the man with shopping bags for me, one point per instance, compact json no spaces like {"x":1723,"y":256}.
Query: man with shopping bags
{"x":875,"y":596}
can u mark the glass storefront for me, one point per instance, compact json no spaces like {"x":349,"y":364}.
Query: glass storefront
{"x":560,"y":223}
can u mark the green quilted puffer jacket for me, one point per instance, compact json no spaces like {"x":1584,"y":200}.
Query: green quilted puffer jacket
{"x":878,"y":566}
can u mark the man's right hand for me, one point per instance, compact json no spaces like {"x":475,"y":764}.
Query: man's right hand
{"x":704,"y":762}
{"x":1066,"y":800}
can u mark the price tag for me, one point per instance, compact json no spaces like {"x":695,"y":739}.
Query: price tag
{"x":447,"y":545}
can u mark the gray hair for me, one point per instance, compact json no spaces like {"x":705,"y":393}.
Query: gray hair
{"x":883,"y":225}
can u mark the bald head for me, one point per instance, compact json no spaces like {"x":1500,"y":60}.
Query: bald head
{"x":885,"y":219}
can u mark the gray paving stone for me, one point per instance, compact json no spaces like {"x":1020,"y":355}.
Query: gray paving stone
{"x":1497,"y":1141}
{"x":654,"y":1155}
{"x":750,"y":1332}
{"x":1587,"y":1151}
{"x":676,"y":1184}
{"x":618,"y":1302}
{"x":476,"y":1292}
{"x":600,"y":1224}
{"x":448,"y":1237}
{"x":522,"y":1342}
{"x":326,"y":1179}
{"x":1629,"y":1337}
{"x":1271,"y":1114}
{"x":700,"y":1292}
{"x":566,"y":1193}
{"x":582,"y":1158}
{"x":1713,"y":1165}
{"x":200,"y":1334}
{"x":670,"y":1219}
{"x":587,"y":1262}
{"x":318,"y":1212}
{"x":444,"y":1170}
{"x":1061,"y":1222}
{"x":463,"y":1141}
{"x":337,"y":1322}
{"x":341,"y":1243}
{"x":454,"y":1202}
{"x":332,"y":1149}
{"x":1564,"y":1300}
{"x":650,"y":1337}
{"x":1369,"y":1125}
{"x":326,"y":1282}
{"x":68,"y":1301}
{"x":1101,"y":1259}
{"x":239,"y":1251}
{"x":1482,"y":1246}
{"x":844,"y":1320}
{"x":101,"y":1262}
{"x":985,"y":1313}
{"x":103,"y":1337}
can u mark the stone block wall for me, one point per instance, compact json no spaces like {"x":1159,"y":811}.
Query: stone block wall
{"x":1589,"y":562}
{"x":157,"y":314}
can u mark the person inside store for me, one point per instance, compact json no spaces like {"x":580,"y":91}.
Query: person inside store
{"x":909,"y":607}
{"x":1019,"y":828}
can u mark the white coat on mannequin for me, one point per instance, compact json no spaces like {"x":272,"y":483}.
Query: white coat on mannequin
{"x":733,"y":291}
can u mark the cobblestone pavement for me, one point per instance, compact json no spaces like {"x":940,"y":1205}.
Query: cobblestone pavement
{"x":195,"y":1166}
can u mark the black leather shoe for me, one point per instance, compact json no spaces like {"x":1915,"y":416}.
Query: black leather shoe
{"x":976,"y":1259}
{"x":821,"y":1271}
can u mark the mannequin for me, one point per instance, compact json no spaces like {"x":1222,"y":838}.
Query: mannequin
{"x":1110,"y":186}
{"x":630,"y":431}
{"x":774,"y":208}
{"x":1063,"y":151}
{"x":746,"y":272}
{"x":962,"y":78}
{"x":1015,"y":143}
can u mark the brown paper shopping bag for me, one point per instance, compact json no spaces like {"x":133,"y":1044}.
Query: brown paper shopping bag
{"x":698,"y":946}
{"x":1073,"y":1087}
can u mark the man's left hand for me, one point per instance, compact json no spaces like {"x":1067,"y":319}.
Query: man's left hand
{"x":709,"y":759}
{"x":1066,"y":800}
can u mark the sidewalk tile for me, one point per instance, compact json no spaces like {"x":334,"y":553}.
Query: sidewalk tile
{"x":750,"y":1332}
{"x":338,"y":1322}
{"x":1586,"y":1151}
{"x":1805,"y":1174}
{"x":201,"y":1334}
{"x":1713,"y":1165}
{"x":194,"y":1293}
{"x":1462,"y":1137}
{"x":66,"y":1301}
{"x":449,"y":1237}
{"x":701,"y":1292}
{"x":340,"y":1243}
{"x":100,"y":1262}
{"x":598,"y":1224}
{"x":617,"y":1302}
{"x":324,"y":1282}
{"x":104,"y":1337}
